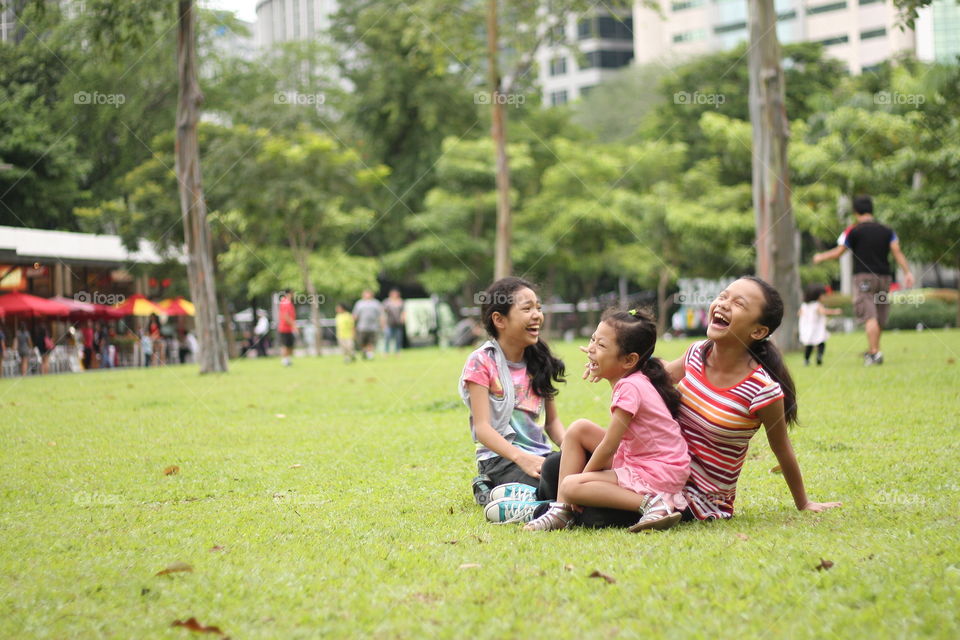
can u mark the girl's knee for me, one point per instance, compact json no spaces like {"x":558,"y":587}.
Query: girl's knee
{"x":569,"y":485}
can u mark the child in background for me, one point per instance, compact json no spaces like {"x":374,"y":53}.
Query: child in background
{"x":345,"y":332}
{"x":813,"y":322}
{"x":640,"y":462}
{"x":508,"y":383}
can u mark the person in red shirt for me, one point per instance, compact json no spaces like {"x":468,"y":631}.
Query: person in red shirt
{"x":287,"y":327}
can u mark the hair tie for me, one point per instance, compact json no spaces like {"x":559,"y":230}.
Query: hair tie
{"x":632,"y":312}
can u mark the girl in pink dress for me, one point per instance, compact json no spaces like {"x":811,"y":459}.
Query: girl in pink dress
{"x":640,"y":462}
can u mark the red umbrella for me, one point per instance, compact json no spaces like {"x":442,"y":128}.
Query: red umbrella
{"x":178,"y":306}
{"x":28,"y":306}
{"x":138,"y":305}
{"x":81,"y":310}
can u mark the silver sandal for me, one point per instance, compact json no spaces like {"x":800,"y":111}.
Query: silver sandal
{"x":558,"y":516}
{"x":656,"y":515}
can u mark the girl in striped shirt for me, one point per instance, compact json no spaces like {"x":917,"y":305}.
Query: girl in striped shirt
{"x":730,"y":384}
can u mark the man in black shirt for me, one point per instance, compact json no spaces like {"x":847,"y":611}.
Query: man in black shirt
{"x":871,"y":244}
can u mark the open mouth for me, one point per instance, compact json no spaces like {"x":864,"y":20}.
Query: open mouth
{"x":534,"y":330}
{"x":592,"y":364}
{"x":720,"y":320}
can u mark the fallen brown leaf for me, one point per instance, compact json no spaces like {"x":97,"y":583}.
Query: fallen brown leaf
{"x":280,"y":415}
{"x":951,"y":360}
{"x":470,"y":565}
{"x":52,"y":443}
{"x":597,"y":574}
{"x":176,"y":567}
{"x":171,"y":470}
{"x":193,"y":625}
{"x":568,"y":567}
{"x":296,"y":466}
{"x":824,"y":564}
{"x":218,"y":548}
{"x":450,"y":541}
{"x":776,"y":469}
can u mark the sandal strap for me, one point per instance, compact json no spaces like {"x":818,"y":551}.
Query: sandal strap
{"x":558,"y":516}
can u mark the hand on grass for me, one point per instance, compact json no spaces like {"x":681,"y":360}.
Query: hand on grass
{"x":819,"y":507}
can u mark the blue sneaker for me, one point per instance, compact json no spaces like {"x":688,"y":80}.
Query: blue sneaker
{"x":515,"y":490}
{"x":508,"y":510}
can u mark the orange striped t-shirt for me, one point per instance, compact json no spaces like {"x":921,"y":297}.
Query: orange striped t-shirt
{"x":717,"y":425}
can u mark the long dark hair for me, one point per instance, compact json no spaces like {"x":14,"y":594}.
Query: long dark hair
{"x":766,"y":353}
{"x":543,"y":367}
{"x":637,"y":333}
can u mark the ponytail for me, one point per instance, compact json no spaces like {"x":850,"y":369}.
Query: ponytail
{"x":769,"y":357}
{"x":658,"y":376}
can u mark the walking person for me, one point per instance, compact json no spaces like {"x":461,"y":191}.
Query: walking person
{"x":260,"y":332}
{"x":345,"y":332}
{"x":368,"y":315}
{"x":24,"y":345}
{"x":871,"y":243}
{"x":287,"y":327}
{"x":813,"y":323}
{"x":396,"y":317}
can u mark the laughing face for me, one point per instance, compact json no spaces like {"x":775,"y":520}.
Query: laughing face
{"x":603,"y":354}
{"x":522,"y":322}
{"x":735,"y":313}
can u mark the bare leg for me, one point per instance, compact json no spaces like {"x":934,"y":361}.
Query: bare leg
{"x":873,"y":335}
{"x":583,"y":436}
{"x":599,"y":489}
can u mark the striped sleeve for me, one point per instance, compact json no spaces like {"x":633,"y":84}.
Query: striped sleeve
{"x":770,"y":393}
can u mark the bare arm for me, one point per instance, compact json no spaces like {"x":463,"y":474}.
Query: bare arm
{"x":826,"y":311}
{"x":674,"y":369}
{"x":832,"y":254}
{"x":603,"y":455}
{"x":488,"y":436}
{"x":553,"y":426}
{"x":902,"y":261}
{"x":776,"y":425}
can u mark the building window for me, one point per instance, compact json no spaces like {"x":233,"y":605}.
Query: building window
{"x":558,"y":66}
{"x":607,"y":59}
{"x":824,"y":8}
{"x":788,"y":15}
{"x":726,"y":28}
{"x":558,"y":97}
{"x":837,"y":40}
{"x":863,"y":2}
{"x":873,"y":33}
{"x":606,"y":27}
{"x":690,"y":36}
{"x":685,"y":4}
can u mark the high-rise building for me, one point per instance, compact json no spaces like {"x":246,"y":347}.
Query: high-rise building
{"x":604,"y":42}
{"x":938,"y":32}
{"x":286,"y":20}
{"x":860,"y":33}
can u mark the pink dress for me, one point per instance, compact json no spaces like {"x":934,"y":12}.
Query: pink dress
{"x":652,"y":457}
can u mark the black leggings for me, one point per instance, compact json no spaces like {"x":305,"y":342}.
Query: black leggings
{"x":807,"y":350}
{"x":593,"y":517}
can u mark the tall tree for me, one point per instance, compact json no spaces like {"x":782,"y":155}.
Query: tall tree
{"x":193,"y":207}
{"x":777,"y":237}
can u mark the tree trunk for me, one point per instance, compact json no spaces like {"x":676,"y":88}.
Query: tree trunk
{"x":777,"y":236}
{"x":662,"y":308}
{"x":193,"y":207}
{"x":502,"y":264}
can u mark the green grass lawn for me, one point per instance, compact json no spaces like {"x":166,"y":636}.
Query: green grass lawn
{"x":334,"y":500}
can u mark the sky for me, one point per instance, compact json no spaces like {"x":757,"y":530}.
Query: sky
{"x":245,"y":9}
